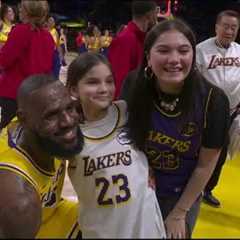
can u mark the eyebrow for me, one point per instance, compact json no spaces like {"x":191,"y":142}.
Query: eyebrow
{"x":96,"y":78}
{"x":166,"y":45}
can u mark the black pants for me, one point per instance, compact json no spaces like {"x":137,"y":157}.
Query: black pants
{"x":8,"y":108}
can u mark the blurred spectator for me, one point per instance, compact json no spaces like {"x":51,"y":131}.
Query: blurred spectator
{"x":51,"y":24}
{"x":81,"y":42}
{"x":7,"y":15}
{"x":28,"y":50}
{"x":218,"y":60}
{"x":63,"y":45}
{"x":94,"y":41}
{"x":106,"y":40}
{"x":126,"y":49}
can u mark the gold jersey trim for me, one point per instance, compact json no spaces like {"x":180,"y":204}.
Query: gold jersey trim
{"x":206,"y":107}
{"x":24,"y":153}
{"x":17,"y":170}
{"x":75,"y":233}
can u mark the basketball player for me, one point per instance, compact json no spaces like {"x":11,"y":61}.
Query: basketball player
{"x":218,"y":59}
{"x":110,"y":176}
{"x":31,"y":179}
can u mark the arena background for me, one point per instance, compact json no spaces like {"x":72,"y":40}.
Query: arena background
{"x":214,"y":223}
{"x":200,"y":14}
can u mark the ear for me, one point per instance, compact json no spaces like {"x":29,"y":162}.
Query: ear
{"x":73,"y":92}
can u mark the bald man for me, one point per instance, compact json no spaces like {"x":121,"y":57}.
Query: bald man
{"x":31,"y":178}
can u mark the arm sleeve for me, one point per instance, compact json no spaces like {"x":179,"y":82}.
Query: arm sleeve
{"x":13,"y":48}
{"x":217,"y":120}
{"x":128,"y":85}
{"x":199,"y":60}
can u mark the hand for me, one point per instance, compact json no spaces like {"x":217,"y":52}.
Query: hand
{"x":175,"y":226}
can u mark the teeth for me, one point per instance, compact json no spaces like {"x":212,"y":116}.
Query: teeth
{"x":174,"y":70}
{"x":68,"y":134}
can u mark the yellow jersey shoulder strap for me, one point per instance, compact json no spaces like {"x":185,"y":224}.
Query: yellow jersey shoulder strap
{"x":12,"y":161}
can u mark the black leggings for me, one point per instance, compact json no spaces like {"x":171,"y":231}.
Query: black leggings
{"x":8,"y":108}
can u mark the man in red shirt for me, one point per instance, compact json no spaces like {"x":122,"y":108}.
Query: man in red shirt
{"x":28,"y":50}
{"x":126,"y":50}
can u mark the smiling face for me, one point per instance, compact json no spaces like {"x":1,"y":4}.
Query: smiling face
{"x":53,"y":120}
{"x":227,"y":29}
{"x":9,"y":15}
{"x":95,"y":90}
{"x":170,"y":59}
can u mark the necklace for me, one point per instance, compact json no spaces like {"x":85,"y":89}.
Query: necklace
{"x":169,"y":106}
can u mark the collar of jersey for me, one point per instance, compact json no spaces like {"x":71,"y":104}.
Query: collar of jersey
{"x":110,"y":131}
{"x":28,"y":157}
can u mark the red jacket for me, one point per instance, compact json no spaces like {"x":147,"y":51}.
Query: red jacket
{"x":79,"y":39}
{"x":126,"y":53}
{"x":26,"y":52}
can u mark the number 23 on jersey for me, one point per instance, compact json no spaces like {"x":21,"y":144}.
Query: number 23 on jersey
{"x":117,"y":184}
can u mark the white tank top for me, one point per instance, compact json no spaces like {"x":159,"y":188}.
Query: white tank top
{"x":111,"y":181}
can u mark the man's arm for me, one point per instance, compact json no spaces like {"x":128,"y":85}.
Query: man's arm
{"x":20,"y":207}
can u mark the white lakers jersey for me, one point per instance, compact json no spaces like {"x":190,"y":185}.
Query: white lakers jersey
{"x":111,"y":180}
{"x":221,"y":67}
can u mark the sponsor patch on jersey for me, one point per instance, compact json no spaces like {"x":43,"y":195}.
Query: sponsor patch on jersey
{"x":122,"y":137}
{"x":189,"y":129}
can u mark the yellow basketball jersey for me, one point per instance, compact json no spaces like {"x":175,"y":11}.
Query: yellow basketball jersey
{"x":59,"y":216}
{"x":11,"y":129}
{"x":6,"y":28}
{"x":55,"y":36}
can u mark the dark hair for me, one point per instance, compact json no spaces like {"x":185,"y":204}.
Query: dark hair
{"x":4,"y":9}
{"x":140,"y":8}
{"x":141,"y":101}
{"x":82,"y":64}
{"x":32,"y":83}
{"x":229,"y":13}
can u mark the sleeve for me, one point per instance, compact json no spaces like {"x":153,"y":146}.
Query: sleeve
{"x":199,"y":59}
{"x":3,"y":37}
{"x":120,"y":58}
{"x":217,"y":118}
{"x":14,"y":47}
{"x":128,"y":85}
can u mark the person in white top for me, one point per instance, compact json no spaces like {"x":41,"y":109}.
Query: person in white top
{"x":110,"y":176}
{"x":218,"y":59}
